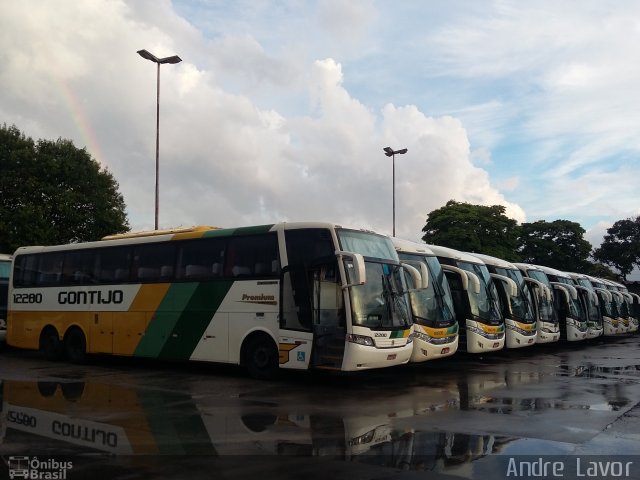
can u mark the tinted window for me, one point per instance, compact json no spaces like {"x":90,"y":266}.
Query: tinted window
{"x":113,"y":264}
{"x":305,"y":247}
{"x":79,"y":267}
{"x":201,"y":259}
{"x":50,"y":269}
{"x":252,"y":256}
{"x":154,"y":262}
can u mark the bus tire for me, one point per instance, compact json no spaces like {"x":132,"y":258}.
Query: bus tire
{"x":261,"y":357}
{"x":50,"y":345}
{"x":75,"y":345}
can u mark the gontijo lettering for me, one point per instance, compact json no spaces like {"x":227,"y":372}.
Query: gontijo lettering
{"x":90,"y":297}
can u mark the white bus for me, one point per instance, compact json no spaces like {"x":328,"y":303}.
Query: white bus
{"x":591,"y":304}
{"x":435,"y":329}
{"x":571,"y":313}
{"x":516,"y":301}
{"x":548,"y":327}
{"x":628,"y":310}
{"x":475,"y":301}
{"x":289,"y":295}
{"x":610,"y":321}
{"x":618,"y":306}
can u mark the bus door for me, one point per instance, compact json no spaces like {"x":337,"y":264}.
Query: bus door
{"x":312,"y":305}
{"x":296,"y":324}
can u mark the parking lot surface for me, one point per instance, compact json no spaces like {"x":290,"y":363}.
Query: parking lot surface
{"x":506,"y":415}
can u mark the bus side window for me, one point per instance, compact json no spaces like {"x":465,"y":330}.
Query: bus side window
{"x":149,"y":260}
{"x":50,"y":269}
{"x":26,"y":271}
{"x":113,"y":264}
{"x":200,"y":259}
{"x":79,"y":267}
{"x":253,"y":256}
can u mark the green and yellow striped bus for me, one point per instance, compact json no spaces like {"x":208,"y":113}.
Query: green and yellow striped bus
{"x":288,"y":295}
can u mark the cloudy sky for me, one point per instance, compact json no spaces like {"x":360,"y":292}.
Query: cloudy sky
{"x":280,"y":109}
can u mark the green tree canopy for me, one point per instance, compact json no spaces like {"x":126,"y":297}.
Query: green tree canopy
{"x":52,"y":192}
{"x":473,"y":228}
{"x":558,"y":244}
{"x":621,"y":246}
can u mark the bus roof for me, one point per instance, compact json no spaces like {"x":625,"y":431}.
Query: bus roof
{"x":152,"y":233}
{"x":454,"y":254}
{"x":495,"y":261}
{"x":528,"y":266}
{"x":183,"y":234}
{"x":553,"y":271}
{"x":408,"y":246}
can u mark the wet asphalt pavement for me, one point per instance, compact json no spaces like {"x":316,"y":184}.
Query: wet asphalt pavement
{"x":462,"y":417}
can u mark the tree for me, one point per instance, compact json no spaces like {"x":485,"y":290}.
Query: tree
{"x":621,"y":246}
{"x":558,"y":244}
{"x":52,"y":192}
{"x":473,"y":228}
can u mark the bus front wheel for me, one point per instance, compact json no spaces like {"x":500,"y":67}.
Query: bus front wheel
{"x":75,"y":345}
{"x":50,"y":345}
{"x":261,"y":357}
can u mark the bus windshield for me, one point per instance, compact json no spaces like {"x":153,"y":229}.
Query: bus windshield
{"x":484,"y":305}
{"x":380,"y":303}
{"x":521,"y":305}
{"x":593,"y":309}
{"x":367,"y":244}
{"x":431,"y":306}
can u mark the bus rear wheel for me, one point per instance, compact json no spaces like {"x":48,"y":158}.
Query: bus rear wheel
{"x":50,"y":345}
{"x":261,"y":358}
{"x":75,"y":345}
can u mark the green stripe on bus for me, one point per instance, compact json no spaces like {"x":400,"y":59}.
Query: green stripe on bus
{"x":166,"y":316}
{"x":195,"y":318}
{"x":226,"y":232}
{"x":397,"y":334}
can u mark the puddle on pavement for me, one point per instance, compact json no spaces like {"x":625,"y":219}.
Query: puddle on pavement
{"x":76,"y":418}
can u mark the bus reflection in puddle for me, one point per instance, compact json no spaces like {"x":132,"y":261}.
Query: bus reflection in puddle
{"x":72,"y":418}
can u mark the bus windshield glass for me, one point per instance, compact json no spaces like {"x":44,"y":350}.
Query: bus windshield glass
{"x":431,"y":306}
{"x":367,"y":244}
{"x":521,"y":306}
{"x":484,"y":305}
{"x":380,"y":303}
{"x":593,"y":310}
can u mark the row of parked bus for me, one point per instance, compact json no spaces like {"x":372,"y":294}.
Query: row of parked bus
{"x":497,"y":304}
{"x":297,"y":296}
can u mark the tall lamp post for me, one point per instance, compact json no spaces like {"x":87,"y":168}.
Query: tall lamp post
{"x":389,"y":152}
{"x":158,"y":61}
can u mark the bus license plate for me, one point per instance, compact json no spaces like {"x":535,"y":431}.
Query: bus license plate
{"x":496,"y":345}
{"x":392,"y":356}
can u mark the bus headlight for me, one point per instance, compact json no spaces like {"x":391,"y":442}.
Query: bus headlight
{"x":360,"y":339}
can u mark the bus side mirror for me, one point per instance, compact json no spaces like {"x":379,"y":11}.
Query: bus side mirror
{"x":356,"y":268}
{"x":513,"y":288}
{"x":465,"y":277}
{"x":417,"y":268}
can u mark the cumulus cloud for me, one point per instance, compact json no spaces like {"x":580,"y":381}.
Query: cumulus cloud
{"x":226,"y":158}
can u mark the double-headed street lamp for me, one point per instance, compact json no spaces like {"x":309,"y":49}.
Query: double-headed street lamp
{"x":158,"y":61}
{"x":389,"y":152}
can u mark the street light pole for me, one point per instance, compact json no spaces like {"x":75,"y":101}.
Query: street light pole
{"x":389,"y":152}
{"x":158,"y":61}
